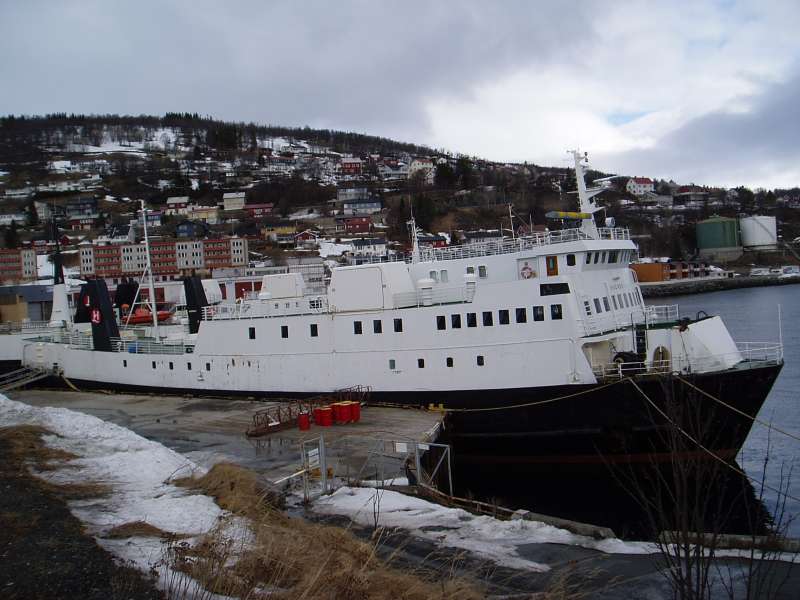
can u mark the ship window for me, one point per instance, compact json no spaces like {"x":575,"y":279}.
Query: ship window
{"x":443,"y":276}
{"x":555,"y":312}
{"x":596,"y":257}
{"x":188,"y":366}
{"x":587,"y":307}
{"x":627,"y":302}
{"x":503,"y":317}
{"x":472,"y":320}
{"x":606,"y":305}
{"x":482,"y":271}
{"x":124,"y":363}
{"x":421,"y":363}
{"x":570,"y":260}
{"x":433,"y":275}
{"x":208,"y":366}
{"x":449,"y":361}
{"x":612,"y":256}
{"x":377,"y":326}
{"x":252,"y":333}
{"x":470,"y":270}
{"x":357,"y":327}
{"x":479,"y":360}
{"x":154,"y":364}
{"x":588,"y":258}
{"x":441,"y":322}
{"x":398,"y":325}
{"x":614,"y":301}
{"x":314,"y":329}
{"x":171,"y":366}
{"x":522,"y":315}
{"x":553,"y":289}
{"x":538,"y":313}
{"x":603,"y":258}
{"x":487,"y":319}
{"x":619,"y":298}
{"x":284,"y":331}
{"x":597,"y":308}
{"x":392,"y":364}
{"x":455,"y":321}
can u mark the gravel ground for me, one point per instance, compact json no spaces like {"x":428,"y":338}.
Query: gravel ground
{"x":44,"y":552}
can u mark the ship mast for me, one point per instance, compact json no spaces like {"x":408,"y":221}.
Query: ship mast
{"x":585,"y":195}
{"x":149,"y":270}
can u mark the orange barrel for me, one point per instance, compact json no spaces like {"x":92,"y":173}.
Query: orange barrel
{"x":325,"y":416}
{"x":304,"y":421}
{"x":355,"y":412}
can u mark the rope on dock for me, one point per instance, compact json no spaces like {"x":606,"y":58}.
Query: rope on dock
{"x":740,"y":412}
{"x":536,"y":402}
{"x":716,"y":457}
{"x":70,"y":384}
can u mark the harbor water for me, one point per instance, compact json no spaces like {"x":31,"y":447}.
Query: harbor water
{"x":753,"y":315}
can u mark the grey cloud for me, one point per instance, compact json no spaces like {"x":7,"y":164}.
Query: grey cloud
{"x":358,"y":65}
{"x":727,"y":148}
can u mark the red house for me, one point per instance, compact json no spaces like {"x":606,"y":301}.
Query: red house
{"x":257,"y":211}
{"x":357,"y":224}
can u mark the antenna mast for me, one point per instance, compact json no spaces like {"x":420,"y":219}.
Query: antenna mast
{"x":149,"y":270}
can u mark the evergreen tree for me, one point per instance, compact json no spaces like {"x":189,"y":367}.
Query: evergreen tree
{"x":31,"y":215}
{"x":12,"y":236}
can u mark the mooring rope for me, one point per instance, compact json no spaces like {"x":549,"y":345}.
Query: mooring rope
{"x":713,"y":455}
{"x":534,"y":403}
{"x":70,"y":384}
{"x":736,"y":410}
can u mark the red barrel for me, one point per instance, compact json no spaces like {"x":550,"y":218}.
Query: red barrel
{"x":355,"y":412}
{"x":325,"y":416}
{"x":347,"y":414}
{"x":338,"y":413}
{"x":315,"y":414}
{"x":304,"y":421}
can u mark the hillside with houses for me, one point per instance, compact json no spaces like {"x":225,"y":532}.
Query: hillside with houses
{"x":234,"y":196}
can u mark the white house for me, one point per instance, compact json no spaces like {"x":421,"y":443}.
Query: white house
{"x":233,"y":201}
{"x":422,"y":164}
{"x":639,"y":186}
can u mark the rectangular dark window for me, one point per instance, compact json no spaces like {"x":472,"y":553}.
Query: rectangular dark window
{"x":555,"y":312}
{"x":596,"y":257}
{"x":441,"y":322}
{"x":398,"y":325}
{"x":597,"y":308}
{"x":284,"y":331}
{"x":421,"y":363}
{"x":455,"y":321}
{"x":588,"y":258}
{"x":377,"y":326}
{"x":588,"y":308}
{"x":392,"y":364}
{"x":357,"y":327}
{"x":522,"y":315}
{"x":479,"y":360}
{"x":627,"y":302}
{"x":154,"y":364}
{"x":605,"y":303}
{"x":612,"y":256}
{"x":188,"y":366}
{"x":614,"y":301}
{"x":538,"y":313}
{"x":553,"y":289}
{"x":503,"y":317}
{"x":252,"y":333}
{"x":208,"y":366}
{"x":472,"y":320}
{"x":124,"y":363}
{"x":171,"y":366}
{"x":449,"y":361}
{"x":314,"y":329}
{"x":570,"y":260}
{"x":488,"y":320}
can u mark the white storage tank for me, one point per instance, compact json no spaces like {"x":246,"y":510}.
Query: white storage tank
{"x":759,"y":232}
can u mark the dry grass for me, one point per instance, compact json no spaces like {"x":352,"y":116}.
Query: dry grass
{"x":136,"y":529}
{"x":290,"y":558}
{"x":26,"y":447}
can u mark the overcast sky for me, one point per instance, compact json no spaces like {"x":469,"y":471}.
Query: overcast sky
{"x":704,"y":92}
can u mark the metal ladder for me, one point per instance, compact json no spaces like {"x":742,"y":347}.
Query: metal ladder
{"x":20,"y":378}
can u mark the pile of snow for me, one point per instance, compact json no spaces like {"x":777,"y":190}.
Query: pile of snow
{"x":136,"y":470}
{"x":453,"y":527}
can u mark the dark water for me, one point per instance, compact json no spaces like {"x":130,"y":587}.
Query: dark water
{"x":751,"y":315}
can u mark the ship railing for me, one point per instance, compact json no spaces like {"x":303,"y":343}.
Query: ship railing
{"x":139,"y":346}
{"x":614,"y":233}
{"x":20,"y":326}
{"x":430,"y":297}
{"x":666,"y":313}
{"x":748,"y":355}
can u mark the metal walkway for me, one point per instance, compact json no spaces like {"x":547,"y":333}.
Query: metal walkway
{"x":20,"y":378}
